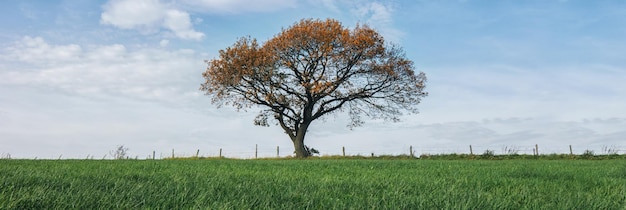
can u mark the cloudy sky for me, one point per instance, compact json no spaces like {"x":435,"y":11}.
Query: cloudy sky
{"x":78,"y":77}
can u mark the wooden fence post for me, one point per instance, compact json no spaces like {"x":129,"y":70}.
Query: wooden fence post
{"x":471,"y":151}
{"x":570,"y":150}
{"x":256,"y":151}
{"x":537,"y":149}
{"x":197,"y":153}
{"x":153,"y":155}
{"x":172,"y":153}
{"x":411,"y":151}
{"x":343,"y":151}
{"x":220,"y":152}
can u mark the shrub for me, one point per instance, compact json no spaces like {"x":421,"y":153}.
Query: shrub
{"x":120,"y":153}
{"x":588,"y":153}
{"x":488,"y":154}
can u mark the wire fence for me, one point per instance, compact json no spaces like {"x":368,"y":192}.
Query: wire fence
{"x":258,"y":151}
{"x":282,"y":152}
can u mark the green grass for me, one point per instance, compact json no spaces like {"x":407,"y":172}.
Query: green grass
{"x":313,"y":184}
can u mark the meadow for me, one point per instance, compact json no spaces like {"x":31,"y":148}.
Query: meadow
{"x":313,"y":184}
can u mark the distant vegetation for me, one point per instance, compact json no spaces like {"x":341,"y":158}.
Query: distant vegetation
{"x":488,"y":155}
{"x":317,"y":183}
{"x":491,"y":156}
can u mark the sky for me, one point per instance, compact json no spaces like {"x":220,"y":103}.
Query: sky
{"x":78,"y":78}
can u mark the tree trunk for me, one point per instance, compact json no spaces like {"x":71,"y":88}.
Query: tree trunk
{"x":298,"y":142}
{"x":298,"y":145}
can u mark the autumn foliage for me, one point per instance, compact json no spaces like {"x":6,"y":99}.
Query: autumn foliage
{"x":314,"y":68}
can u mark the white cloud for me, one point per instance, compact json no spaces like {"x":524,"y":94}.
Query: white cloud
{"x":164,"y":43}
{"x":105,"y":95}
{"x":558,"y":92}
{"x":36,"y":50}
{"x":375,"y":13}
{"x":107,"y":53}
{"x":180,"y":24}
{"x":380,"y":16}
{"x":143,"y":74}
{"x":148,"y":16}
{"x":132,"y":14}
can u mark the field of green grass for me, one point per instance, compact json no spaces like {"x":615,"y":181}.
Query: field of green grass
{"x":313,"y":184}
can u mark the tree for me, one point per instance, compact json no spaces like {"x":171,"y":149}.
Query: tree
{"x":312,"y":69}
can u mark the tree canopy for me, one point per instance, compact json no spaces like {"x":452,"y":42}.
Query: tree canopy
{"x":312,"y":69}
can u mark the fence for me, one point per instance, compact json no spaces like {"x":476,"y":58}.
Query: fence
{"x":364,"y":150}
{"x":278,"y":152}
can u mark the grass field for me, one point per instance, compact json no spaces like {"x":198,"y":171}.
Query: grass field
{"x":313,"y":184}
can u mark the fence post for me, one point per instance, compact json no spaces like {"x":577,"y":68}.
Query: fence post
{"x":570,"y":150}
{"x":197,"y":153}
{"x":172,"y":153}
{"x":277,"y":151}
{"x":471,"y":151}
{"x":411,"y":150}
{"x":220,"y":152}
{"x":537,"y":149}
{"x":153,"y":155}
{"x":343,"y":151}
{"x":256,"y":151}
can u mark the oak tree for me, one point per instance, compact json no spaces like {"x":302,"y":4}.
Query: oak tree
{"x":312,"y":69}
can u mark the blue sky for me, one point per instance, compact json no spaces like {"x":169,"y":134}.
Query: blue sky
{"x":80,"y":77}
